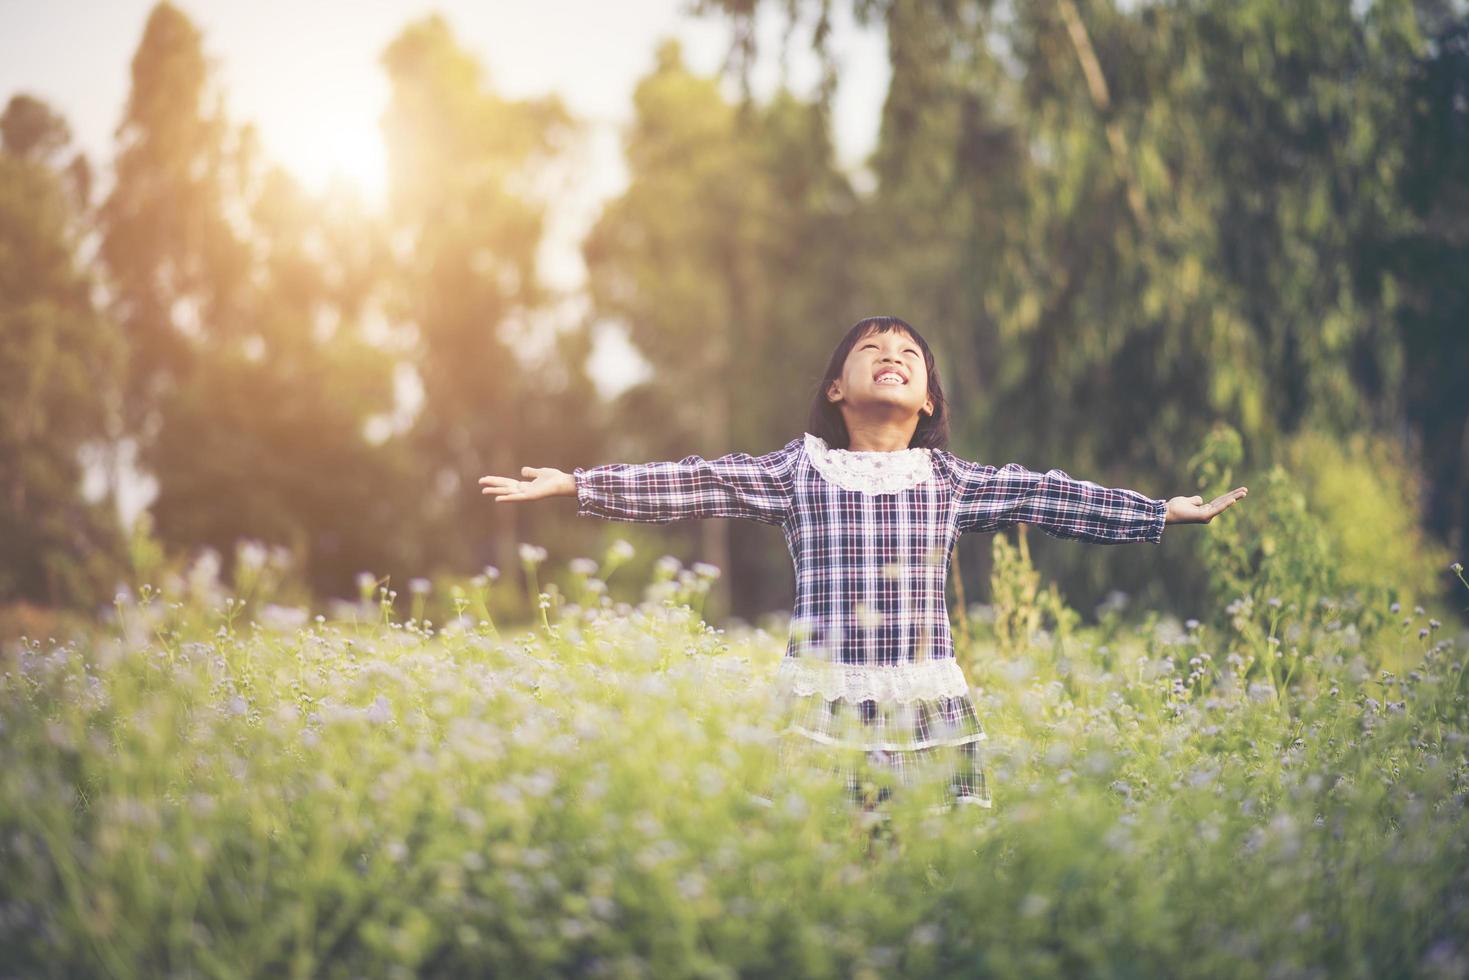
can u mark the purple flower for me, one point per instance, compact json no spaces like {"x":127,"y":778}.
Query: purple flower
{"x":380,"y":710}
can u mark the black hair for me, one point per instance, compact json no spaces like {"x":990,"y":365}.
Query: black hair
{"x":826,"y":418}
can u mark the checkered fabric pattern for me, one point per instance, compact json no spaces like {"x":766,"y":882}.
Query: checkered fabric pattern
{"x":870,"y":568}
{"x":890,"y":726}
{"x":931,"y":744}
{"x":944,"y":776}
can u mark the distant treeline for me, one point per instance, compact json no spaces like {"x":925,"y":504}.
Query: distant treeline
{"x":1117,"y":224}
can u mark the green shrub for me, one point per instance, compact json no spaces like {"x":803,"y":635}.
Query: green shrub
{"x":1331,"y":531}
{"x":1367,"y":493}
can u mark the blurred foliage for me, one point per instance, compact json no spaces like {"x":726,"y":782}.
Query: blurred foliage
{"x":1427,"y":261}
{"x":1369,"y":498}
{"x":726,"y":261}
{"x":57,"y":358}
{"x":1123,"y":225}
{"x":242,"y":302}
{"x":1336,"y":518}
{"x":1119,"y":226}
{"x":471,"y":174}
{"x":1014,"y":588}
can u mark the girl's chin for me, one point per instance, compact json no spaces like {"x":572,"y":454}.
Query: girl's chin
{"x":885,"y":408}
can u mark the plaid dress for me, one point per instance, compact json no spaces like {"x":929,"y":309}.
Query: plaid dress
{"x":869,"y":687}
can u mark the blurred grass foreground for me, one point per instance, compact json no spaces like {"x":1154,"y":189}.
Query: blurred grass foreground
{"x":195,"y":787}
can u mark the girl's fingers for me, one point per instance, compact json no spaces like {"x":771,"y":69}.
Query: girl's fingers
{"x":1227,"y":501}
{"x":1193,"y":510}
{"x":503,"y":486}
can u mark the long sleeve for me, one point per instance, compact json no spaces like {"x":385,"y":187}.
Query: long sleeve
{"x":987,"y":498}
{"x":758,"y":488}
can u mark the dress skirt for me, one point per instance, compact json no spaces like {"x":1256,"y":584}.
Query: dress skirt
{"x":908,"y":728}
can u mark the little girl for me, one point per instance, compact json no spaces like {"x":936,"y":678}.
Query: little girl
{"x":871,"y":502}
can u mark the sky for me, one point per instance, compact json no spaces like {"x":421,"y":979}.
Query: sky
{"x":307,"y":71}
{"x":307,"y":74}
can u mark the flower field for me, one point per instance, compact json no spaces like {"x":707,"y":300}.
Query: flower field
{"x":200,"y":786}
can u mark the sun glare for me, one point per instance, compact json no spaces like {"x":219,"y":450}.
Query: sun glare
{"x":319,"y":117}
{"x":329,"y":142}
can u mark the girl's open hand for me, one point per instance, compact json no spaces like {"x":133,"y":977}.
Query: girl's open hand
{"x":540,"y":481}
{"x":1193,"y":510}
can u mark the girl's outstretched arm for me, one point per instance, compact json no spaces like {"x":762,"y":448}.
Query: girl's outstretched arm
{"x":738,"y":485}
{"x":988,"y":498}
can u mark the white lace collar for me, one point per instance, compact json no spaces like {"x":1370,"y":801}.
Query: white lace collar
{"x":869,"y":471}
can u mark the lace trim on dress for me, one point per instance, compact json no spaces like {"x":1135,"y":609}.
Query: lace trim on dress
{"x":869,"y":472}
{"x":988,"y":804}
{"x":906,"y":682}
{"x":930,"y":743}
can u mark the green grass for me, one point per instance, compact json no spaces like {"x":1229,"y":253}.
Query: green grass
{"x":185,"y":792}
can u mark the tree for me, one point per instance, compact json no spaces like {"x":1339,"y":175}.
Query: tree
{"x":468,"y":172}
{"x":1123,"y":226}
{"x":281,"y":416}
{"x":726,"y":262}
{"x":250,"y":383}
{"x":176,"y":268}
{"x":57,"y":354}
{"x":1426,"y":263}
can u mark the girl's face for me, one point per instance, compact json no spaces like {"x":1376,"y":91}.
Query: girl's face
{"x":867,"y":380}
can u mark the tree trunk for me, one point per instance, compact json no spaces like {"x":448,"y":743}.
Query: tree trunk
{"x":1097,"y":87}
